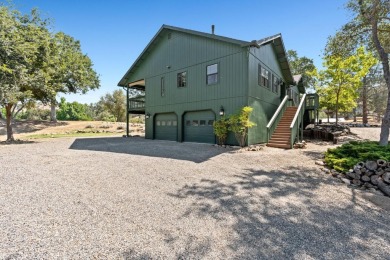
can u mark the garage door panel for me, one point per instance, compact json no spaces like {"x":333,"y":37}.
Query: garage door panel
{"x":166,"y":127}
{"x":198,"y":127}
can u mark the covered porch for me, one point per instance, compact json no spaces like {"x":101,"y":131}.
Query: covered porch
{"x":135,"y":101}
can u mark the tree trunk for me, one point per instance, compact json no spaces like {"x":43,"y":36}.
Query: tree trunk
{"x":364,"y":99}
{"x":10,"y":134}
{"x":337,"y":107}
{"x":53,"y":112}
{"x":384,"y":136}
{"x":354,"y":115}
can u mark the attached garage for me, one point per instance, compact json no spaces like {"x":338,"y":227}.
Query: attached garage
{"x":165,"y":127}
{"x":198,"y":126}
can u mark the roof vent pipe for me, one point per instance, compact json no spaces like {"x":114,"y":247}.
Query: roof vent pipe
{"x":212,"y":29}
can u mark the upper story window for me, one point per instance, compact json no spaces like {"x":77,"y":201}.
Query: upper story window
{"x":264,"y":77}
{"x":182,"y":79}
{"x":212,"y":74}
{"x":162,"y":87}
{"x":275,"y":84}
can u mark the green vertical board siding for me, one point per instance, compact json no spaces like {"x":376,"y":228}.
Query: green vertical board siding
{"x":193,"y":55}
{"x":198,"y":127}
{"x":230,"y":105}
{"x":262,"y":99}
{"x":180,"y":51}
{"x":166,"y":126}
{"x":237,"y":84}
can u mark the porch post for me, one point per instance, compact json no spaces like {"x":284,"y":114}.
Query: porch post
{"x":127,"y":112}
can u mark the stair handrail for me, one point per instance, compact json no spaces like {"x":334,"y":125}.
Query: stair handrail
{"x":294,"y":127}
{"x":277,"y":115}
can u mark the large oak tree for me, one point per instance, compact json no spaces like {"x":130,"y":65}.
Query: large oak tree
{"x":36,"y":65}
{"x":371,"y":26}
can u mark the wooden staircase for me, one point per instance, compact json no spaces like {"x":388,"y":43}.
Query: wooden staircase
{"x":281,"y":136}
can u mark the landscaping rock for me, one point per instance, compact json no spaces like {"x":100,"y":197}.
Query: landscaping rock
{"x":371,"y":175}
{"x":371,"y":165}
{"x":321,"y":163}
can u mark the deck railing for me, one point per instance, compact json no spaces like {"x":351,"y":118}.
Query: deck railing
{"x":273,"y":123}
{"x":297,"y":121}
{"x":136,"y":105}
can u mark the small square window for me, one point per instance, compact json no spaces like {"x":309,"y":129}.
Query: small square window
{"x":188,"y":123}
{"x":211,"y":122}
{"x":169,"y":123}
{"x":174,"y":123}
{"x":212,"y":74}
{"x":195,"y":123}
{"x":158,"y":123}
{"x":163,"y":123}
{"x":202,"y":122}
{"x":182,"y":79}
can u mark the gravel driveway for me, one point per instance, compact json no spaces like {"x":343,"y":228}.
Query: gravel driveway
{"x":118,"y":198}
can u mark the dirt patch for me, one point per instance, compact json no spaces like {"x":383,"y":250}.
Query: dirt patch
{"x":25,"y":128}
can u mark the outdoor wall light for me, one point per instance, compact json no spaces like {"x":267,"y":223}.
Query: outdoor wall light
{"x":147,"y":115}
{"x":221,"y":111}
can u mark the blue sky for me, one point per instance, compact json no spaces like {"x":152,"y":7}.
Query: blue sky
{"x":114,"y":32}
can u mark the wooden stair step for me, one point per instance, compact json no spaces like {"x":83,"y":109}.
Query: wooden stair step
{"x":279,"y":146}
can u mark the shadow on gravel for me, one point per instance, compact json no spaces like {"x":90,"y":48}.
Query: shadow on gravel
{"x":315,"y":155}
{"x":192,"y":248}
{"x":193,"y":152}
{"x":275,"y":215}
{"x":18,"y":141}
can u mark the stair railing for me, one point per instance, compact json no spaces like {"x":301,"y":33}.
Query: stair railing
{"x":295,"y":124}
{"x":273,"y":123}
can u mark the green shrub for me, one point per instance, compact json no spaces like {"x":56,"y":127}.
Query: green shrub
{"x":239,"y":124}
{"x":221,"y":130}
{"x":34,"y":114}
{"x":347,"y":155}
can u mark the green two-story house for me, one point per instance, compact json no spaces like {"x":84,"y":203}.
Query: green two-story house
{"x":186,"y":79}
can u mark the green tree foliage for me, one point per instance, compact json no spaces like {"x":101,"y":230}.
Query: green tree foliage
{"x":115,"y":105}
{"x":221,"y":128}
{"x":68,"y":69}
{"x":35,"y":64}
{"x":301,"y":66}
{"x":239,"y":124}
{"x":24,"y":43}
{"x":370,"y":26}
{"x":73,"y":111}
{"x":340,"y":80}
